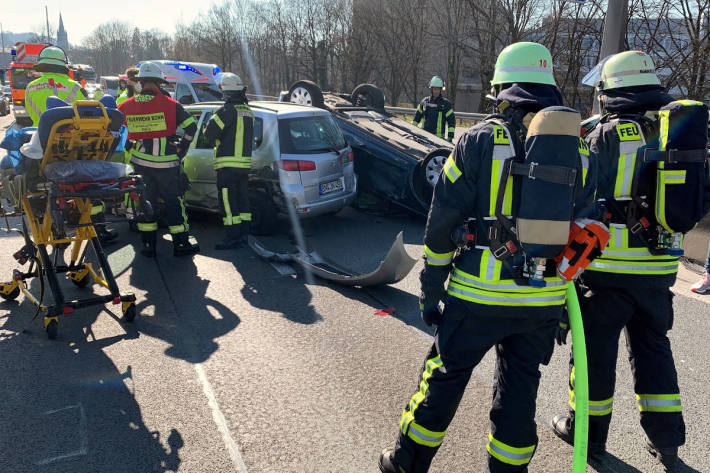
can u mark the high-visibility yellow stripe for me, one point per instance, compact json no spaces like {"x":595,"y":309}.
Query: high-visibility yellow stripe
{"x":659,"y":402}
{"x":451,"y":170}
{"x":606,"y":265}
{"x":511,"y":455}
{"x":187,"y":122}
{"x":147,"y":227}
{"x":486,"y":297}
{"x":424,"y":436}
{"x":408,"y":414}
{"x":437,"y":259}
{"x":596,"y":408}
{"x":218,"y":121}
{"x":227,"y":207}
{"x":489,"y":278}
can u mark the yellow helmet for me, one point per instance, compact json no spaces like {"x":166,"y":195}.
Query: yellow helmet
{"x":628,"y":69}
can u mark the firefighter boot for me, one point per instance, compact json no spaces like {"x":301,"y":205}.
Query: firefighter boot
{"x":148,"y":239}
{"x":387,"y":463}
{"x":233,"y":238}
{"x":182,"y":245}
{"x":668,"y":456}
{"x":563,"y":427}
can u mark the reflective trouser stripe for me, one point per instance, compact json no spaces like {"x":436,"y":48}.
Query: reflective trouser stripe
{"x":596,"y":408}
{"x":424,"y":436}
{"x":97,"y":209}
{"x":659,"y":402}
{"x":532,"y":299}
{"x":245,"y":216}
{"x":228,"y":219}
{"x":183,"y":213}
{"x":439,"y":124}
{"x":437,"y":259}
{"x":148,"y":227}
{"x":511,"y":455}
{"x":451,"y":170}
{"x":407,"y":419}
{"x":139,"y":159}
{"x":177,"y":229}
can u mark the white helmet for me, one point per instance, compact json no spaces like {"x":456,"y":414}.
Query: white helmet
{"x":231,"y":82}
{"x":150,"y":70}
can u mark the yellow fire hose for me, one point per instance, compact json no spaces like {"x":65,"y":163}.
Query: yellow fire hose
{"x":581,"y":386}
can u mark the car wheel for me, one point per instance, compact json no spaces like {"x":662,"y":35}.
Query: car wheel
{"x":305,"y":92}
{"x":264,"y":214}
{"x":368,"y":95}
{"x":427,"y":174}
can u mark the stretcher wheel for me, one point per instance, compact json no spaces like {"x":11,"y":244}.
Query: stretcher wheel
{"x":83,"y":282}
{"x":129,"y":312}
{"x":12,"y":295}
{"x":52,"y":329}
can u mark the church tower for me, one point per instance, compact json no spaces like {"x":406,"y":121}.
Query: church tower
{"x":62,"y":40}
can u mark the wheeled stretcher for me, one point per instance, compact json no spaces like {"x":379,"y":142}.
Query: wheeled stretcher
{"x":55,"y":195}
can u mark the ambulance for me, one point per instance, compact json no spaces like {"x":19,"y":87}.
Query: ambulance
{"x":190,"y":82}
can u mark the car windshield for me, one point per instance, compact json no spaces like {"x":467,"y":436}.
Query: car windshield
{"x":207,"y":92}
{"x":313,"y":134}
{"x":20,"y":77}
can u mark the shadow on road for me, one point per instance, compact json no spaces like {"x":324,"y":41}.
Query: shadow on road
{"x":67,"y":407}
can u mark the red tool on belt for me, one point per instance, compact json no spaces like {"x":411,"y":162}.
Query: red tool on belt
{"x":587,"y":240}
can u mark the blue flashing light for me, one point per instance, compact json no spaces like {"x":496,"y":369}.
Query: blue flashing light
{"x":183,"y":67}
{"x":13,"y":52}
{"x":216,"y":70}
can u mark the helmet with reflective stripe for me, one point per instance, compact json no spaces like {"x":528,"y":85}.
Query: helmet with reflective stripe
{"x":52,"y":56}
{"x":231,"y":82}
{"x":524,"y":62}
{"x":150,"y":70}
{"x":436,"y":81}
{"x":628,"y":69}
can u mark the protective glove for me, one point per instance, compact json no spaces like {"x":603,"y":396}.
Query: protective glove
{"x":433,"y":279}
{"x":562,"y":328}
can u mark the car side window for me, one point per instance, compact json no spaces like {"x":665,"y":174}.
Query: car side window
{"x":201,"y":140}
{"x":183,"y":94}
{"x":258,"y":132}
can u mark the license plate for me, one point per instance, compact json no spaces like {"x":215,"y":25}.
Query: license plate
{"x":332,"y":186}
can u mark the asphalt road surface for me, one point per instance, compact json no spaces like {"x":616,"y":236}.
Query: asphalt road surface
{"x":232,"y":366}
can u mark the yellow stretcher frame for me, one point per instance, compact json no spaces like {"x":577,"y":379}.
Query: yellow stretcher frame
{"x":70,"y":139}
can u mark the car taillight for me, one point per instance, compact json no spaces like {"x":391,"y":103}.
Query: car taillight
{"x":347,"y":158}
{"x":297,"y":165}
{"x":582,"y":132}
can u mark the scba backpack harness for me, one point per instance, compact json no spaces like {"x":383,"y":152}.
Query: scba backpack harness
{"x":548,"y":176}
{"x":658,"y":191}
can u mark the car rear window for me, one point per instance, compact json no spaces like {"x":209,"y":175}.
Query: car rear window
{"x":310,"y":135}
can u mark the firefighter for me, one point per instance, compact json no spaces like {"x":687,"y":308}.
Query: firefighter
{"x":232,"y":128}
{"x":152,"y":118}
{"x":436,"y":111}
{"x":489,"y":302}
{"x":54,"y":80}
{"x":132,"y":86}
{"x":628,"y":288}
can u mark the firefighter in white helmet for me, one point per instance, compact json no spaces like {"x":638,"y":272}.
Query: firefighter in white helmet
{"x":232,"y":128}
{"x":436,"y":111}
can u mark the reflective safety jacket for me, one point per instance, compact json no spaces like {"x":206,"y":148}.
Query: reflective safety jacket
{"x":437,"y":113}
{"x":159,"y":152}
{"x":231,"y":128}
{"x":124,"y":95}
{"x":468,"y":187}
{"x":48,"y":84}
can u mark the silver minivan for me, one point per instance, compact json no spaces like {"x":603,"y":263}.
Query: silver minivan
{"x":300,"y":159}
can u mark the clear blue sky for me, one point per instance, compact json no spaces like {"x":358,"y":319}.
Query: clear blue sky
{"x":82,"y":16}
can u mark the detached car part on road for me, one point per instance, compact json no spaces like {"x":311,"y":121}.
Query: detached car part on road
{"x":394,"y":159}
{"x":300,"y":159}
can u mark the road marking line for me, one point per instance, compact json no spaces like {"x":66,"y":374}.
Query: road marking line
{"x":221,"y":422}
{"x":83,"y":433}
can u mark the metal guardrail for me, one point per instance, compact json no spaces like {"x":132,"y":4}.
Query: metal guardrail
{"x":459,"y":115}
{"x":477,"y":117}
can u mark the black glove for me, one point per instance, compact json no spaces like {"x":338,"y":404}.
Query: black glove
{"x":562,"y":328}
{"x":433,"y":279}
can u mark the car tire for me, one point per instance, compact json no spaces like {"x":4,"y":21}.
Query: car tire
{"x":264,"y":214}
{"x":427,"y":173}
{"x":306,"y":92}
{"x":374,"y":97}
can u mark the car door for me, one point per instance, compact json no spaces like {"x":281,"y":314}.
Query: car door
{"x":199,"y":167}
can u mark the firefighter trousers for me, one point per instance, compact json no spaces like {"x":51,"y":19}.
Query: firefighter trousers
{"x":233,"y":193}
{"x":163,"y":184}
{"x":646,"y":316}
{"x":466,"y":333}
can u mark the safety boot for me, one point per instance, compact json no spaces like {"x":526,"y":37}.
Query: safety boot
{"x":233,"y":238}
{"x":387,"y":462}
{"x":668,"y":456}
{"x":563,"y":427}
{"x":148,"y":240}
{"x":182,"y":245}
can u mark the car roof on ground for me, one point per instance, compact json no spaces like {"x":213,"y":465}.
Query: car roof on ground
{"x":282,"y":109}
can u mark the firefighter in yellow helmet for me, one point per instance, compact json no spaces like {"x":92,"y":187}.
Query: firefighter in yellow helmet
{"x":54,"y":80}
{"x":492,"y":300}
{"x":437,"y":112}
{"x":628,"y":287}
